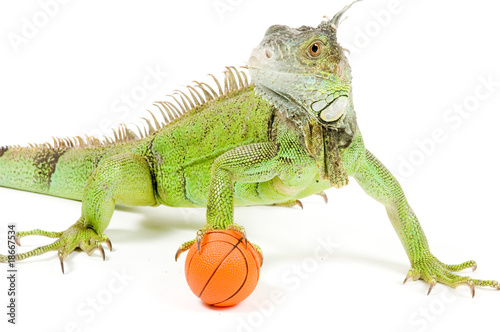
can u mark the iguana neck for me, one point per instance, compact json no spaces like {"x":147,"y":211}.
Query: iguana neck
{"x":324,"y":142}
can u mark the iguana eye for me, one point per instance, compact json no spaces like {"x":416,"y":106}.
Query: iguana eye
{"x":315,"y":49}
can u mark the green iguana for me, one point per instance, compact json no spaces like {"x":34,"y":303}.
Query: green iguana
{"x":289,"y":134}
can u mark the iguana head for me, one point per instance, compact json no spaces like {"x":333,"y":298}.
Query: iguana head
{"x":304,"y":72}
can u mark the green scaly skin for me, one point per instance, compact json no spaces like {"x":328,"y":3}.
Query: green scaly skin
{"x":290,"y":134}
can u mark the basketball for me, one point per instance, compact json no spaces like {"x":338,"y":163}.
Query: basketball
{"x":225,"y":271}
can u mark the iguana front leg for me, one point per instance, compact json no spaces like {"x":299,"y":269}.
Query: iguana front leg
{"x":379,"y":183}
{"x":250,"y":163}
{"x":124,"y":179}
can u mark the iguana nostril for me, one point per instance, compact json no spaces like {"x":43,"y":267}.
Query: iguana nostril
{"x":268,"y":54}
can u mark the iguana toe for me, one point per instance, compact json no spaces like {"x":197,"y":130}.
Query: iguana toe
{"x":290,"y":203}
{"x":184,"y":247}
{"x":240,"y":230}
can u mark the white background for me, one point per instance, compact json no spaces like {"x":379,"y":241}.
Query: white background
{"x":410,"y":68}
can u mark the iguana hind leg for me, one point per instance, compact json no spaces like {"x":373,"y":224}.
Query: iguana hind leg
{"x":123,"y":179}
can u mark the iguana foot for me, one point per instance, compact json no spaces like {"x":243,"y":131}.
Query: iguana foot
{"x":201,"y":234}
{"x":432,"y":271}
{"x":294,"y":202}
{"x":206,"y":229}
{"x":77,"y":236}
{"x":291,"y":203}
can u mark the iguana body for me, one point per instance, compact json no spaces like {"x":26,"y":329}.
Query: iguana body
{"x":290,"y":134}
{"x":180,"y":154}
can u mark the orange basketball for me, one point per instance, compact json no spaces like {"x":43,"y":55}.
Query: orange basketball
{"x":225,"y":271}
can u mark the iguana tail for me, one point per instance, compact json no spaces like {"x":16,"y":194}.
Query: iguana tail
{"x":60,"y":170}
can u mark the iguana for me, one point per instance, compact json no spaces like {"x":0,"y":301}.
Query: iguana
{"x":289,"y":134}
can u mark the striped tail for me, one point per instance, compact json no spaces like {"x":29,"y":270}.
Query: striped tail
{"x":29,"y":168}
{"x":61,"y":169}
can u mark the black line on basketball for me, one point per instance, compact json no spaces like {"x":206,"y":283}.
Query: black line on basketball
{"x":225,"y":233}
{"x":244,"y":281}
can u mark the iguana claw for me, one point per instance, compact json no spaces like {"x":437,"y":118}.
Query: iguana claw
{"x":108,"y":243}
{"x":322,"y":194}
{"x":408,"y":276}
{"x":472,"y":289}
{"x":61,"y":260}
{"x":431,"y":285}
{"x":101,"y":250}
